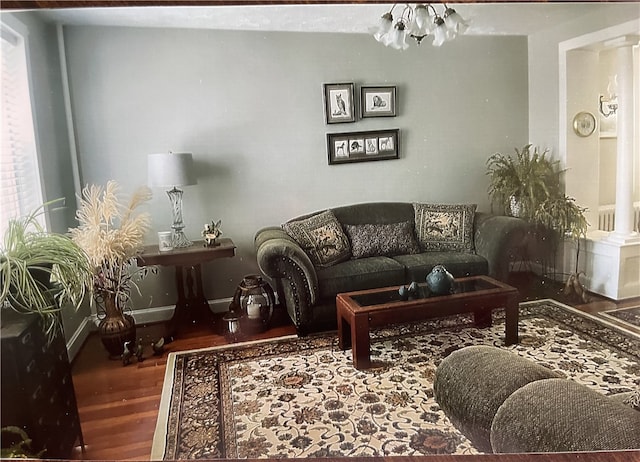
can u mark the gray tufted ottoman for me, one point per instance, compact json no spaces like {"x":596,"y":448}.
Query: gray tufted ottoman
{"x":473,"y":382}
{"x":557,"y":415}
{"x":505,"y":403}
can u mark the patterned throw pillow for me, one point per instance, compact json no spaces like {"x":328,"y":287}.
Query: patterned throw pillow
{"x":321,"y":237}
{"x":387,"y":240}
{"x":444,"y":227}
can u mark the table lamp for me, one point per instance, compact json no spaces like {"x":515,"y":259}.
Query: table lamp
{"x":172,"y":170}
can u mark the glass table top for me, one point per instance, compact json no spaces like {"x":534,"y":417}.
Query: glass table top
{"x":392,"y":295}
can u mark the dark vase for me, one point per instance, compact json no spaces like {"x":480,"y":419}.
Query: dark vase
{"x":116,"y":328}
{"x":439,"y":281}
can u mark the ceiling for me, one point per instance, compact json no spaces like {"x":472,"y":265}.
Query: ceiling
{"x":484,"y":19}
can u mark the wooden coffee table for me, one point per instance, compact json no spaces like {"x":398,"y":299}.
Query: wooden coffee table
{"x":362,"y":310}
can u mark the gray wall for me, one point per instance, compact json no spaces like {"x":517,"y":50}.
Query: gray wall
{"x":249,"y":107}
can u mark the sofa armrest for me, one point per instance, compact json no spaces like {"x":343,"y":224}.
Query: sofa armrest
{"x":500,"y":239}
{"x":559,"y":415}
{"x":281,"y":258}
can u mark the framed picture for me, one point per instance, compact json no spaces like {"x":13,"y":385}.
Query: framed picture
{"x":363,"y":146}
{"x":378,"y":101}
{"x":339,"y":106}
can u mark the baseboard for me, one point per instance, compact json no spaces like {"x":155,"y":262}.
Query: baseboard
{"x":78,"y":338}
{"x":141,"y":316}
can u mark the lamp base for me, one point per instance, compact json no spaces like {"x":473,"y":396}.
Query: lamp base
{"x":180,"y":240}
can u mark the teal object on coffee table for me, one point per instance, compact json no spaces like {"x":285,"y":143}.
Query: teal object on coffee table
{"x":439,"y":280}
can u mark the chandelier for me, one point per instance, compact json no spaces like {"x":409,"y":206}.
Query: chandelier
{"x":418,"y":22}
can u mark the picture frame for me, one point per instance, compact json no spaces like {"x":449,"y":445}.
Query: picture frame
{"x":378,"y":101}
{"x":363,"y":146}
{"x":339,"y":104}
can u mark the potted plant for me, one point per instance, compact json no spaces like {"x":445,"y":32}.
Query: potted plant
{"x":520,"y":184}
{"x":567,"y":220}
{"x":41,"y":272}
{"x":528,"y":186}
{"x":111,"y":234}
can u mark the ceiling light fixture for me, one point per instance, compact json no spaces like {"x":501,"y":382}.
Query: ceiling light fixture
{"x":419,"y":22}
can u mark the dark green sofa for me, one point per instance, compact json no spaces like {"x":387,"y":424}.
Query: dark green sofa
{"x":309,"y":290}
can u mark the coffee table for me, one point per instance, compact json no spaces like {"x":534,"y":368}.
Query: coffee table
{"x":362,"y":310}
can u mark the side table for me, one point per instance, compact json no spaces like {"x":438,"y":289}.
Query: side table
{"x":191,"y":305}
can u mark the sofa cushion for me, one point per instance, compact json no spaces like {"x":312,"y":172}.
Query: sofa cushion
{"x":321,"y":237}
{"x":460,"y":264}
{"x":363,"y":273}
{"x":445,"y":227}
{"x":386,"y":240}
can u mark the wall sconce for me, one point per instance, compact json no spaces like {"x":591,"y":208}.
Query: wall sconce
{"x":608,"y":107}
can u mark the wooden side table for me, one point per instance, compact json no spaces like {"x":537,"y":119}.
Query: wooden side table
{"x":192,"y":305}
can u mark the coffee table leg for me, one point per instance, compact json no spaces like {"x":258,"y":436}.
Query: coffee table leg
{"x":482,"y":318}
{"x":511,"y":322}
{"x":344,"y":332}
{"x":361,"y":342}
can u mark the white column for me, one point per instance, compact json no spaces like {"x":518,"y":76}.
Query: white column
{"x":623,"y":229}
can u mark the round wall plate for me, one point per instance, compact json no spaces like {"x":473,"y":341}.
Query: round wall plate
{"x":584,"y":123}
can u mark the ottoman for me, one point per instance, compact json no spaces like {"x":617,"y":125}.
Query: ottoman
{"x":472,"y":383}
{"x":556,"y":415}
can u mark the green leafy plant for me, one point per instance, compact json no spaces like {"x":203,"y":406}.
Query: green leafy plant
{"x":40,"y":271}
{"x":528,"y":185}
{"x":524,"y":181}
{"x":16,"y":444}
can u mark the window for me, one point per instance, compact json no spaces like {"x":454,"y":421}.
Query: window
{"x":20,"y":185}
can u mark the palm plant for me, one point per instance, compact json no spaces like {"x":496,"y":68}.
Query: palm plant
{"x":41,"y":272}
{"x":531,"y":180}
{"x":519,"y":185}
{"x":567,"y":220}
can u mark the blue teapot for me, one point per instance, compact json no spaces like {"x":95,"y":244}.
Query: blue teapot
{"x":440,"y":281}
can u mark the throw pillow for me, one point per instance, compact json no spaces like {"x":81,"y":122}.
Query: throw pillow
{"x":321,"y":237}
{"x":445,"y":227}
{"x":371,"y":240}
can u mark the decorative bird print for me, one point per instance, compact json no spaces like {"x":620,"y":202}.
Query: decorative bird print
{"x":342,"y":107}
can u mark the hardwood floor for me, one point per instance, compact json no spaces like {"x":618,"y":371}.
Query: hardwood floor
{"x":118,"y":404}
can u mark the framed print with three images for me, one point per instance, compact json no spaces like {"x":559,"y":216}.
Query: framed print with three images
{"x":339,"y":106}
{"x":365,"y":146}
{"x":378,"y":101}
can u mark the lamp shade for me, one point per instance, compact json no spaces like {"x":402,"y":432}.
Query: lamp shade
{"x":172,"y":169}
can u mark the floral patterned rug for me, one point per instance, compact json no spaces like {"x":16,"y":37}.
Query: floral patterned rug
{"x":293,"y":397}
{"x":626,"y":315}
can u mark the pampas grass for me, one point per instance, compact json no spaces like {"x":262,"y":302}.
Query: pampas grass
{"x":112,"y":233}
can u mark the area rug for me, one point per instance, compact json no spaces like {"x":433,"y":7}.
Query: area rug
{"x":629,"y":316}
{"x":293,"y":397}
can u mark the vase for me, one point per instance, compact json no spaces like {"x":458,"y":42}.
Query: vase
{"x":116,"y":328}
{"x":516,"y":207}
{"x":440,"y":281}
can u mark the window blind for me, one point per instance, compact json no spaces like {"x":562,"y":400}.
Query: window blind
{"x":20,"y":186}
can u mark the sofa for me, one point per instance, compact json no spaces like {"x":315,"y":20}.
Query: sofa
{"x":312,"y":258}
{"x":504,"y":403}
